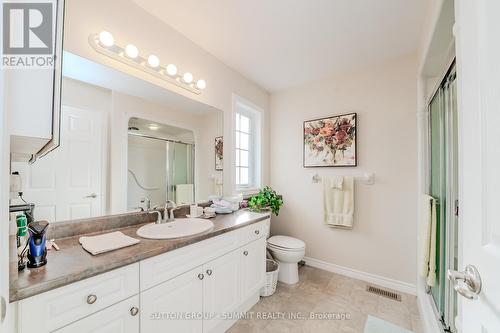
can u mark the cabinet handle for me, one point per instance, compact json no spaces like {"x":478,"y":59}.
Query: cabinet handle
{"x":245,"y":253}
{"x":209,"y":272}
{"x":257,"y":232}
{"x":134,"y":311}
{"x":201,"y":276}
{"x":91,"y":299}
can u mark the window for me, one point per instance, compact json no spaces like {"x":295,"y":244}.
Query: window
{"x":246,"y":146}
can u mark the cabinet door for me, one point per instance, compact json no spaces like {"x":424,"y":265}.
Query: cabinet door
{"x":122,"y":317}
{"x":174,"y":305}
{"x":253,"y":267}
{"x":221,"y":289}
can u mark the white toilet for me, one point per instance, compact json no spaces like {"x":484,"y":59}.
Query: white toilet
{"x":288,"y":251}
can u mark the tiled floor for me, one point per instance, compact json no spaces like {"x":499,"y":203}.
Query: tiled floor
{"x":325,"y":293}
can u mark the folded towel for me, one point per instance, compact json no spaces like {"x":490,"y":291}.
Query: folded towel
{"x":428,"y":239}
{"x":106,"y":242}
{"x":339,"y":203}
{"x":221,"y":204}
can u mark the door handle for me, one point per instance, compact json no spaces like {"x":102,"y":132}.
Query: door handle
{"x":91,"y":195}
{"x":466,"y":283}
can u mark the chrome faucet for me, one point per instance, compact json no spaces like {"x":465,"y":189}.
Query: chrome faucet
{"x":170,"y":207}
{"x":149,"y":210}
{"x":159,"y":220}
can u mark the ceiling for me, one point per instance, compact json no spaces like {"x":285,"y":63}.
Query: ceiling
{"x":284,"y":43}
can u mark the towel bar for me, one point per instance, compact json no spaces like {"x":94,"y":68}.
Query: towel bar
{"x":368,"y":178}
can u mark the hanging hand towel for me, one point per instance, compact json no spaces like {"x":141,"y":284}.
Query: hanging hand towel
{"x":428,"y":239}
{"x":184,"y":194}
{"x":339,"y":202}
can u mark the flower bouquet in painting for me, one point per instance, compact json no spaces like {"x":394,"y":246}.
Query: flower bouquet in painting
{"x":330,"y":141}
{"x":219,"y":153}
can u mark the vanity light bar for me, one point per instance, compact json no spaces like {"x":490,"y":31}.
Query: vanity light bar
{"x":104,"y":43}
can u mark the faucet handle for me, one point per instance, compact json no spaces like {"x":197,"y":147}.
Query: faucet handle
{"x":148,"y":203}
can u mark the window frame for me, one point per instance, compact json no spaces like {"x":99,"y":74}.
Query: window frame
{"x":254,"y":114}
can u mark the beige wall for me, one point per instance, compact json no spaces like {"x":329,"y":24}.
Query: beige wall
{"x":383,"y":239}
{"x":151,"y":35}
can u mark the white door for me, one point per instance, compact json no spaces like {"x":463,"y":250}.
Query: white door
{"x":67,"y":183}
{"x":253,"y":267}
{"x":174,"y":305}
{"x":4,"y":211}
{"x":478,"y":72}
{"x":221,"y":289}
{"x":119,"y":318}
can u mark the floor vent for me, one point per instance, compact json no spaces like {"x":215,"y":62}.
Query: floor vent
{"x":385,"y":293}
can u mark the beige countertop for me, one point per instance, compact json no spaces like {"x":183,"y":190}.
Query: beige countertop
{"x":72,"y":263}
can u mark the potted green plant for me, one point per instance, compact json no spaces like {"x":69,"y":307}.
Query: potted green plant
{"x":266,"y":199}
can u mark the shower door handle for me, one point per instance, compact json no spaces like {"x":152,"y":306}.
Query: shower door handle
{"x":466,"y":283}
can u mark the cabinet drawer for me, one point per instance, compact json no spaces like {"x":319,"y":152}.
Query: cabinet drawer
{"x":51,"y":310}
{"x":171,"y":264}
{"x":120,"y":318}
{"x":254,"y":232}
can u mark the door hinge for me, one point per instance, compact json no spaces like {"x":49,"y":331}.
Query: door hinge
{"x":456,"y":208}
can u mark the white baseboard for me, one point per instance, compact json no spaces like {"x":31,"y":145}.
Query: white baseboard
{"x":404,"y":287}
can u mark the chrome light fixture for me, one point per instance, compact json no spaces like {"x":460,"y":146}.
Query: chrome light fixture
{"x":104,"y":43}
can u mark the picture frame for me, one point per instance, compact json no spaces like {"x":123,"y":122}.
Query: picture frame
{"x":219,"y":153}
{"x":331,"y":141}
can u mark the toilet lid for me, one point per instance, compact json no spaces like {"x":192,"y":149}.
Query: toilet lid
{"x":286,"y":242}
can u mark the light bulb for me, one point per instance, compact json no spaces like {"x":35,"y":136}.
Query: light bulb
{"x":171,"y":70}
{"x":153,"y":61}
{"x":187,"y":77}
{"x":131,"y":51}
{"x":201,"y":84}
{"x":106,"y":39}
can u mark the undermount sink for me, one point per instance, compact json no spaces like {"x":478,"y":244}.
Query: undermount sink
{"x":175,"y":229}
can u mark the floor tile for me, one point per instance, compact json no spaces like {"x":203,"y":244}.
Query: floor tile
{"x":327,"y":302}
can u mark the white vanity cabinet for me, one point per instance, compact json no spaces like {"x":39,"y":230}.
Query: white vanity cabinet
{"x":197,"y":288}
{"x":56,"y":308}
{"x":166,"y":307}
{"x":253,"y":267}
{"x":221,"y":289}
{"x":119,"y":318}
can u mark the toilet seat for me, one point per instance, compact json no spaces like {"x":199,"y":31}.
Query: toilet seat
{"x":286,"y":243}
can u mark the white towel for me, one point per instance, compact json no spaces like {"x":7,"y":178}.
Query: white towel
{"x":428,"y":239}
{"x":184,"y":194}
{"x":106,"y":242}
{"x":339,"y":202}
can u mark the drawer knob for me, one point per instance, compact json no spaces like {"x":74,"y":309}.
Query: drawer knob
{"x":201,"y":276}
{"x":245,"y":253}
{"x":91,"y":299}
{"x":209,"y":272}
{"x":134,"y":311}
{"x":257,"y":232}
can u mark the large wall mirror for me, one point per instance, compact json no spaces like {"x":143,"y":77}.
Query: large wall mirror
{"x":126,"y":144}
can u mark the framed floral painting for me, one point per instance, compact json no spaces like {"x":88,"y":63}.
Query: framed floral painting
{"x":219,"y":153}
{"x":331,"y":142}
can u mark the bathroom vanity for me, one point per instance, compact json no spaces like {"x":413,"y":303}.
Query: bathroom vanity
{"x":192,"y":284}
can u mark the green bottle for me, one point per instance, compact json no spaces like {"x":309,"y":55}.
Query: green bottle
{"x":22,"y":222}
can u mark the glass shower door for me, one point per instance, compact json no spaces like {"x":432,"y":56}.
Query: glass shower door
{"x":180,"y":172}
{"x":443,"y":186}
{"x":438,"y":190}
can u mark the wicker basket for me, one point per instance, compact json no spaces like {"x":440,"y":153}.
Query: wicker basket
{"x":272,"y":269}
